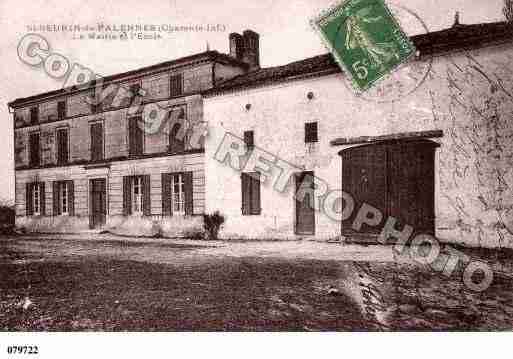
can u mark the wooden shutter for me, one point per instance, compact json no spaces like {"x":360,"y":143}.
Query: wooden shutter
{"x":96,"y":141}
{"x":34,"y":149}
{"x":311,"y":132}
{"x":189,"y":205}
{"x":56,"y":198}
{"x":127,"y":195}
{"x":255,"y":193}
{"x":28,"y":199}
{"x":146,"y":188}
{"x":43,"y":198}
{"x":71,"y":198}
{"x":167,"y":208}
{"x":175,"y":85}
{"x":62,"y":146}
{"x":176,"y":138}
{"x":246,"y":193}
{"x":61,"y":109}
{"x":249,"y":139}
{"x":34,"y":115}
{"x":135,"y":136}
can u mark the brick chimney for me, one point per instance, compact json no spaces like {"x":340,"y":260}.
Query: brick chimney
{"x":246,"y":48}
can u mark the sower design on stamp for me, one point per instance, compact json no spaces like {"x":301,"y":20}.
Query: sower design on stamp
{"x":365,"y":40}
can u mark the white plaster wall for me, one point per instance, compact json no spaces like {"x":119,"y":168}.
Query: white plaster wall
{"x":468,"y":95}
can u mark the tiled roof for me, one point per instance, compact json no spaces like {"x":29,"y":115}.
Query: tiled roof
{"x":206,"y":55}
{"x":458,"y":37}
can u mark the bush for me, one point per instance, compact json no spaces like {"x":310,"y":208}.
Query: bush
{"x":7,"y":216}
{"x":213,"y":223}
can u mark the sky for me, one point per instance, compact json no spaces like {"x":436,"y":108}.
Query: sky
{"x":283,"y":25}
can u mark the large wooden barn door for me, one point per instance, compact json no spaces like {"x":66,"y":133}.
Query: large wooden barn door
{"x":397,"y":177}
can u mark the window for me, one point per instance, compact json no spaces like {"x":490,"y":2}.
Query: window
{"x":177,"y":131}
{"x":35,"y":199}
{"x":34,"y":150}
{"x":34,"y":115}
{"x":62,"y":146}
{"x":61,"y":109}
{"x":135,"y":137}
{"x":250,"y":193}
{"x":63,"y":198}
{"x":96,"y":133}
{"x":311,"y":132}
{"x":177,"y":194}
{"x":176,"y":85}
{"x":136,"y":195}
{"x":249,"y":140}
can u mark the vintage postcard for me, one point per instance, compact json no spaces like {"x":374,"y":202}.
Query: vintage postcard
{"x":176,"y":169}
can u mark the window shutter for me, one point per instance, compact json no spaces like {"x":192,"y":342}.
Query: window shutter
{"x":56,"y":198}
{"x":96,"y":141}
{"x":135,"y":140}
{"x":249,"y":139}
{"x":34,"y":115}
{"x":246,"y":193}
{"x":189,"y":205}
{"x":62,"y":146}
{"x":177,"y":136}
{"x":175,"y":85}
{"x":146,"y":182}
{"x":28,"y":199}
{"x":34,"y":149}
{"x":71,"y":198}
{"x":311,"y":132}
{"x":43,"y":200}
{"x":167,"y":208}
{"x":61,"y":109}
{"x":127,"y":195}
{"x":255,"y":193}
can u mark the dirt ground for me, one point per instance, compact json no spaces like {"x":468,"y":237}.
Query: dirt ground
{"x":108,"y":283}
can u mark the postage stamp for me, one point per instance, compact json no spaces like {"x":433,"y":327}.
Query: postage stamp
{"x":365,"y":39}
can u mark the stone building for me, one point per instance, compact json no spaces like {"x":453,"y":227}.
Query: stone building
{"x":438,"y":159}
{"x":431,"y":147}
{"x":83,"y":165}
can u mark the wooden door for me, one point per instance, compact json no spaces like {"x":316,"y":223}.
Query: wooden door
{"x":305,"y":204}
{"x":396,"y":177}
{"x":364,"y":178}
{"x":98,"y":203}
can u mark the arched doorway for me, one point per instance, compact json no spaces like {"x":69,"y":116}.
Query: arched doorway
{"x":397,"y":177}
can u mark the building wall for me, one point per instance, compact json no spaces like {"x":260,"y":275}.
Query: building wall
{"x":115,"y":133}
{"x":468,"y":95}
{"x":116,"y":222}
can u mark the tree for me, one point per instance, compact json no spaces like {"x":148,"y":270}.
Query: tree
{"x":507,"y":10}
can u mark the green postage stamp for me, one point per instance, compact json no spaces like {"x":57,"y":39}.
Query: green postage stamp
{"x":365,"y":40}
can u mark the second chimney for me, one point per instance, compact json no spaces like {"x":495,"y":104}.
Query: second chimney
{"x":246,"y":48}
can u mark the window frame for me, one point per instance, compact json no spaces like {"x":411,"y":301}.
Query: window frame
{"x":61,"y":114}
{"x":251,"y":181}
{"x":137,"y":199}
{"x":309,"y":136}
{"x":177,"y":178}
{"x":63,"y":198}
{"x":183,"y":123}
{"x":91,"y":123}
{"x":36,"y":188}
{"x":174,"y":76}
{"x":32,"y":133}
{"x":34,"y":115}
{"x":131,"y":118}
{"x":57,"y":146}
